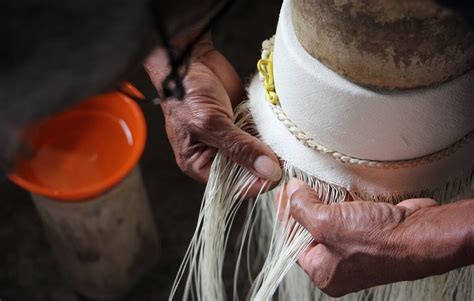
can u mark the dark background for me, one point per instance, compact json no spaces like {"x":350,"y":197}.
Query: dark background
{"x":27,"y":269}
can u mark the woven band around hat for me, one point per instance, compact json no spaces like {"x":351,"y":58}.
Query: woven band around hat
{"x":265,"y":68}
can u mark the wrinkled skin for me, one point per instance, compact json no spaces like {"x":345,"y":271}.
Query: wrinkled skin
{"x":358,"y":245}
{"x":202,"y":123}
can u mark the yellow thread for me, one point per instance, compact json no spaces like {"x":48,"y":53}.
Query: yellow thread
{"x":265,"y":67}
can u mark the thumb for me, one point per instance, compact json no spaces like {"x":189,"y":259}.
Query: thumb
{"x":307,"y":209}
{"x":246,"y":150}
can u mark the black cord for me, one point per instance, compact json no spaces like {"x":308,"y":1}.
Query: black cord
{"x":173,"y":86}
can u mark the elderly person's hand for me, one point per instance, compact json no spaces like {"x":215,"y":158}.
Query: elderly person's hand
{"x":202,"y":123}
{"x":358,"y":245}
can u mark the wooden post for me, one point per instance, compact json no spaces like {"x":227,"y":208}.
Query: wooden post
{"x":103,"y":245}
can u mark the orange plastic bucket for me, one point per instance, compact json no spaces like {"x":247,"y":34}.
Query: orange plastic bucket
{"x":83,"y":152}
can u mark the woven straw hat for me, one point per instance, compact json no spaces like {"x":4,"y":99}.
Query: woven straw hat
{"x":348,"y":114}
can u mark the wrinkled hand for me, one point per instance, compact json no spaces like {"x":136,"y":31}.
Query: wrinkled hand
{"x":364,"y":244}
{"x":203,"y":122}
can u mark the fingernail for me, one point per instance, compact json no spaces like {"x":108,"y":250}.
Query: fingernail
{"x":291,"y":187}
{"x":268,"y":168}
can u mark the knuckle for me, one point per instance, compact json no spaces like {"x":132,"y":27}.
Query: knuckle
{"x":188,"y":168}
{"x":306,"y":217}
{"x":183,"y":157}
{"x":205,"y":121}
{"x":326,"y":284}
{"x":183,"y":164}
{"x":332,"y":282}
{"x":239,"y":149}
{"x":322,"y":282}
{"x":325,"y":272}
{"x":306,"y":194}
{"x":296,"y":206}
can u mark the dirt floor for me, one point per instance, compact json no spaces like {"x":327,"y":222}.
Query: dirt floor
{"x":27,"y":269}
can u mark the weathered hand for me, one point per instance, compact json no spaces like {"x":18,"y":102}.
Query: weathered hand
{"x":364,"y":244}
{"x":203,"y":121}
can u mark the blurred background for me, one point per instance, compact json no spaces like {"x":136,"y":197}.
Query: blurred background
{"x":27,"y":269}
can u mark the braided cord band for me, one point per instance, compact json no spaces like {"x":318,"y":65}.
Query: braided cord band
{"x":265,"y":68}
